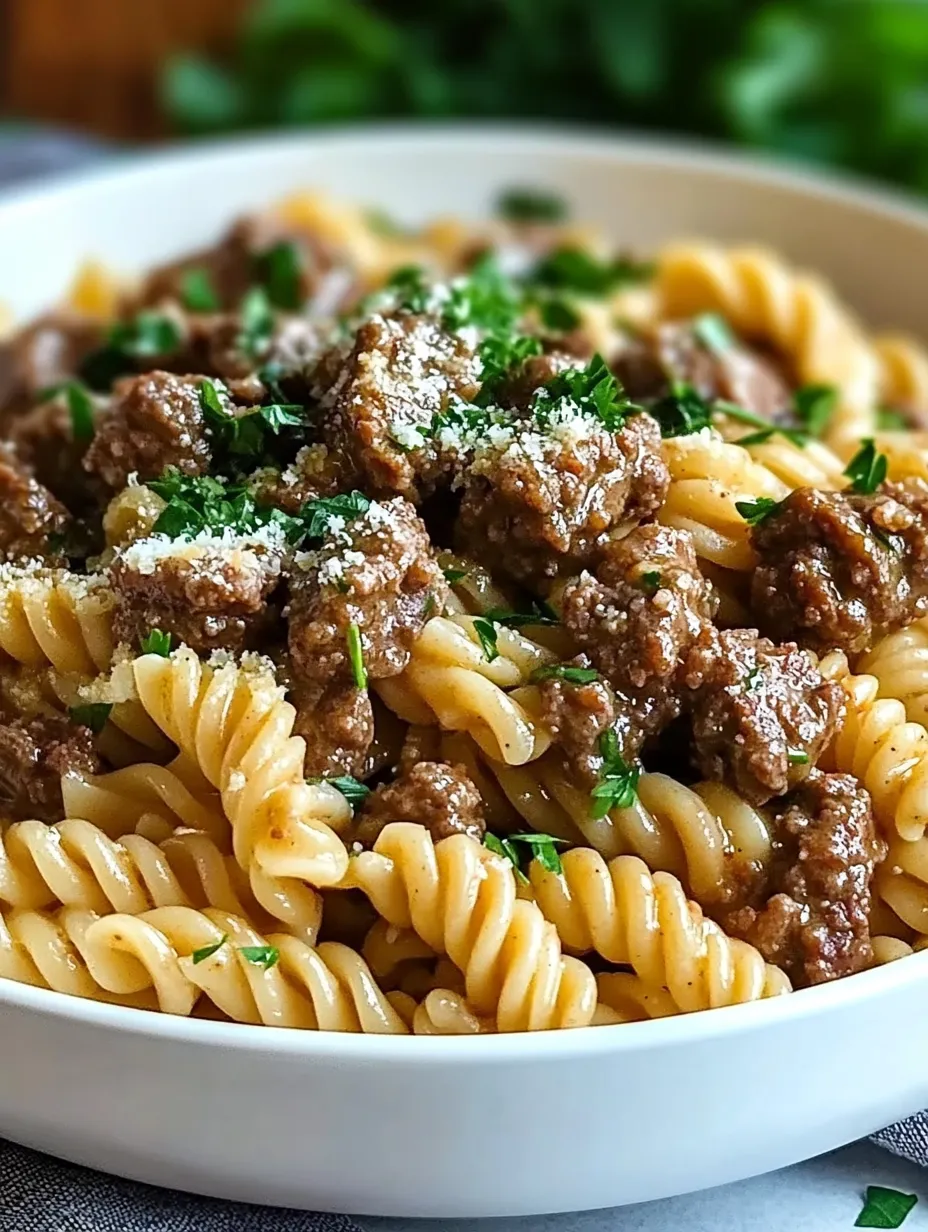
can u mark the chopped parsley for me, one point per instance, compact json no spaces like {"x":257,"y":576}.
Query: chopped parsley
{"x":650,"y":581}
{"x":80,"y":407}
{"x":542,"y":847}
{"x":539,"y":613}
{"x":488,"y":636}
{"x":157,"y":643}
{"x":484,"y":300}
{"x":146,"y":336}
{"x":884,"y":1208}
{"x":197,"y":292}
{"x":813,"y":406}
{"x":593,"y":389}
{"x":265,"y":956}
{"x":280,"y":270}
{"x":354,"y":791}
{"x":257,"y":323}
{"x":93,"y":715}
{"x":756,"y":511}
{"x":201,"y":503}
{"x":569,"y":268}
{"x":500,"y":355}
{"x":454,"y":575}
{"x":566,"y":672}
{"x":410,"y":288}
{"x":797,"y":757}
{"x":531,"y":205}
{"x":558,"y":315}
{"x":617,"y":786}
{"x":753,"y":677}
{"x":867,"y":469}
{"x":766,"y":429}
{"x":348,"y":506}
{"x":356,"y":655}
{"x":207,"y":951}
{"x":714,"y":333}
{"x":888,"y":420}
{"x":682,"y":411}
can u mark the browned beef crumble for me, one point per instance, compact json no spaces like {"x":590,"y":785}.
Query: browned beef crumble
{"x":840,"y":570}
{"x":399,"y":373}
{"x":44,"y":441}
{"x":649,"y":362}
{"x":216,"y":346}
{"x":338,"y":728}
{"x":210,"y":598}
{"x":154,"y":421}
{"x":761,"y":714}
{"x":34,"y":754}
{"x":815,"y":924}
{"x":41,"y":355}
{"x":29,"y":514}
{"x":385,"y":580}
{"x":543,"y":507}
{"x":441,"y":798}
{"x":639,"y":616}
{"x":314,"y":473}
{"x":577,"y":715}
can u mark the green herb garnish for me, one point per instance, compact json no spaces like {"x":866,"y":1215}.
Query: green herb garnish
{"x":257,"y":323}
{"x":714,"y":333}
{"x":157,"y":643}
{"x":531,"y":205}
{"x":265,"y":956}
{"x":650,"y":581}
{"x":558,"y":315}
{"x":682,"y":411}
{"x":503,"y":847}
{"x":146,"y":336}
{"x":80,"y":406}
{"x":813,"y":406}
{"x":354,"y":791}
{"x":500,"y":355}
{"x":594,"y":389}
{"x":280,"y":270}
{"x":348,"y":506}
{"x":207,"y":951}
{"x":564,"y":671}
{"x":197,"y":292}
{"x":488,"y":635}
{"x":617,"y":786}
{"x":202,"y":503}
{"x":484,"y":300}
{"x":797,"y":757}
{"x":867,"y":469}
{"x":884,"y":1208}
{"x":409,"y":287}
{"x":356,"y":656}
{"x":539,"y":613}
{"x":543,"y":848}
{"x":574,"y":269}
{"x":888,"y":420}
{"x":93,"y":715}
{"x":454,"y":575}
{"x":756,"y":511}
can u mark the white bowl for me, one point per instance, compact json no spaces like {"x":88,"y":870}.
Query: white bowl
{"x":502,"y":1125}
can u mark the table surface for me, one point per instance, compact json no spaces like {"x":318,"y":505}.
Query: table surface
{"x":823,"y":1195}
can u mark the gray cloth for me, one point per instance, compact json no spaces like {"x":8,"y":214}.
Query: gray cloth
{"x":39,"y":1194}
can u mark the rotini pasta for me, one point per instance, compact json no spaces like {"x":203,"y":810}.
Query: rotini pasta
{"x":900,"y":664}
{"x":54,"y":617}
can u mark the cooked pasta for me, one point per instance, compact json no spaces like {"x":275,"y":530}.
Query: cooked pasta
{"x":444,"y":631}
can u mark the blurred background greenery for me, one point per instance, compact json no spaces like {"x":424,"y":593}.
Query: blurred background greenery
{"x":841,"y":82}
{"x":844,"y":82}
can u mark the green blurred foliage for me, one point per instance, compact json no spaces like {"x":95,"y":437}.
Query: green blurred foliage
{"x":837,"y":81}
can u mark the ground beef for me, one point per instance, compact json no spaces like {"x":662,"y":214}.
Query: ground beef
{"x":218,"y":346}
{"x":398,"y":374}
{"x":41,"y":355}
{"x":815,"y":923}
{"x":840,"y":570}
{"x":338,"y":728}
{"x":761,"y":714}
{"x":209,"y":597}
{"x":519,"y":387}
{"x":540,"y":505}
{"x":315,"y":472}
{"x":234,"y":265}
{"x":441,"y":798}
{"x":154,"y":421}
{"x":577,"y":715}
{"x":43,"y":438}
{"x":34,"y":754}
{"x":650,"y":361}
{"x":378,"y":572}
{"x":639,"y":616}
{"x":29,"y":514}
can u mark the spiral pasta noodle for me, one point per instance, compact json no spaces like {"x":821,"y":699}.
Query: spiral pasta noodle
{"x":451,"y":680}
{"x":883,"y":750}
{"x":461,"y":900}
{"x":900,"y":664}
{"x":631,"y":916}
{"x":54,"y":617}
{"x":798,"y":314}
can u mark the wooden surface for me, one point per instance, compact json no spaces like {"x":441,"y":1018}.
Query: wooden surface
{"x":93,"y":64}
